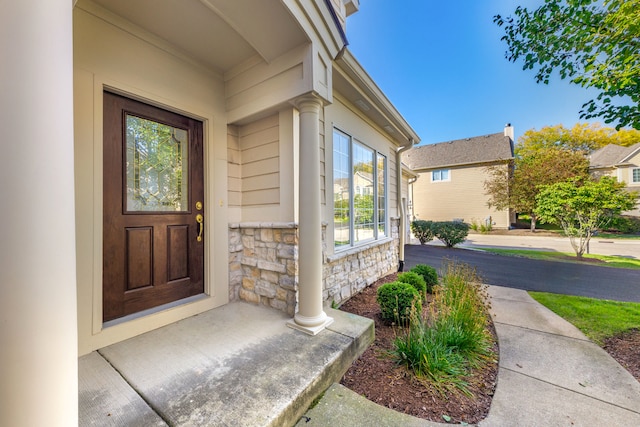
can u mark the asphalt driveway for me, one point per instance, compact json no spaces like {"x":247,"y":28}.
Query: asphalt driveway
{"x":534,"y":275}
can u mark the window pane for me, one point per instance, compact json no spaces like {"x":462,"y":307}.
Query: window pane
{"x":435,"y":176}
{"x":157,"y":166}
{"x":444,"y":174}
{"x":636,"y":175}
{"x":363,"y":179}
{"x":382,"y":195}
{"x":341,"y":189}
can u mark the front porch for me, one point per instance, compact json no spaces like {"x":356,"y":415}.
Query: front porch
{"x":235,"y":365}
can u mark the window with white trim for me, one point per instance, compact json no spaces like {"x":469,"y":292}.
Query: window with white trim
{"x":359,"y":192}
{"x":440,"y":175}
{"x":635,"y":175}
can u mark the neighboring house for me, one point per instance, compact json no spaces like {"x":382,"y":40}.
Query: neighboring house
{"x":175,"y":156}
{"x":452,"y":176}
{"x":620,"y":162}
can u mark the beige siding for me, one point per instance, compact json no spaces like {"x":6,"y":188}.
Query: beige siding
{"x":259,"y":148}
{"x":627,"y":176}
{"x":462,"y":197}
{"x":627,"y":171}
{"x":234,"y":170}
{"x":392,"y":180}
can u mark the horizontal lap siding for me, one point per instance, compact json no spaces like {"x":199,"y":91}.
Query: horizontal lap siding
{"x":233,"y":164}
{"x":260,"y":177}
{"x":460,"y":198}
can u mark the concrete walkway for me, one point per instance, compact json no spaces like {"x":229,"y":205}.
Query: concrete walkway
{"x":238,"y":365}
{"x":550,"y":374}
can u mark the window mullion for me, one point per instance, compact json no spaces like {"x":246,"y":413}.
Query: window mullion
{"x":352,"y":222}
{"x":375,"y":195}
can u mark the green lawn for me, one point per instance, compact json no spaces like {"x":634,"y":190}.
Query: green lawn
{"x":597,"y":319}
{"x":608,"y":261}
{"x":617,"y":236}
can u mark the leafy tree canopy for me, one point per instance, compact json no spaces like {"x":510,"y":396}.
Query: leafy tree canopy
{"x":583,"y":208}
{"x":593,"y":43}
{"x":517,"y":188}
{"x":583,"y":137}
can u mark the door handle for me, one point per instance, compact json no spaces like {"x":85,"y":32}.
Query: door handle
{"x":200,"y":221}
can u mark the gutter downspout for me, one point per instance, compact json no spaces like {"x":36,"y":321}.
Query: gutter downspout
{"x":403,"y":215}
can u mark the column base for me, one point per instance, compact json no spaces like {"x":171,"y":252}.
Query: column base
{"x":310,"y":329}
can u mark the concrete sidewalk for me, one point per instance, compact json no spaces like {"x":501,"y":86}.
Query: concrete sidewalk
{"x":550,"y":374}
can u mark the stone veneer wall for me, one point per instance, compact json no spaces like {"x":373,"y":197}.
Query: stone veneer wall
{"x":263,"y":265}
{"x":348,"y":272}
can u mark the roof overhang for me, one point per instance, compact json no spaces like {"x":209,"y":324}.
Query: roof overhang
{"x":220,"y":34}
{"x":353,"y":83}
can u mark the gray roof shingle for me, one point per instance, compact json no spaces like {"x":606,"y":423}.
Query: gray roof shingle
{"x":479,"y":149}
{"x":610,"y":155}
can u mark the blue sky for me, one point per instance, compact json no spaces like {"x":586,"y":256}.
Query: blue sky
{"x":442,"y":64}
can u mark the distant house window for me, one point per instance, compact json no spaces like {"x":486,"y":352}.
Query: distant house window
{"x":635,"y":175}
{"x":360,"y":177}
{"x":440,"y":175}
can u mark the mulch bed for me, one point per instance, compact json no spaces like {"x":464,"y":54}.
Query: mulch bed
{"x":376,"y":376}
{"x":625,"y":348}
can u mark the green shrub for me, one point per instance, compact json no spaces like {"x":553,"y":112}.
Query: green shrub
{"x":423,"y":230}
{"x":415,"y":280}
{"x":429,"y":274}
{"x":397,"y":300}
{"x":454,"y":337}
{"x":624,"y":224}
{"x":451,"y":233}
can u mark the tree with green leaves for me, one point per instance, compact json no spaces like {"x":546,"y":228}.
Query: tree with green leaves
{"x":593,"y":43}
{"x":517,"y":187}
{"x":581,"y":208}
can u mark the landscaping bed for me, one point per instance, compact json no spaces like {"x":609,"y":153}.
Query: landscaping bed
{"x":376,"y":376}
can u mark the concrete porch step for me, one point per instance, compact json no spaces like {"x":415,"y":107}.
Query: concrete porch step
{"x":235,"y":365}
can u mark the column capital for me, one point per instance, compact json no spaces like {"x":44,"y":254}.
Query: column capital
{"x":308,"y":103}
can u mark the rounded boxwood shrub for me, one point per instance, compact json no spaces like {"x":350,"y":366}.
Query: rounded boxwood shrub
{"x":429,"y":274}
{"x":415,"y":280}
{"x":451,"y":233}
{"x":422,"y":230}
{"x":396,"y":300}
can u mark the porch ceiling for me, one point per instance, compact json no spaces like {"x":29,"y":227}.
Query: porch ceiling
{"x":219,"y":33}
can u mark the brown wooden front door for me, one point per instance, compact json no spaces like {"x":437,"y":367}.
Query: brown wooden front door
{"x":153,"y":207}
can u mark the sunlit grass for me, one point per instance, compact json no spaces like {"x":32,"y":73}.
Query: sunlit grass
{"x":597,"y":319}
{"x":607,"y":260}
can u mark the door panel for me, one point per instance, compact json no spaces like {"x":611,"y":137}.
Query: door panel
{"x":153,"y":180}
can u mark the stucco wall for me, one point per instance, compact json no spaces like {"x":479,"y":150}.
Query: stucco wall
{"x":462,"y":197}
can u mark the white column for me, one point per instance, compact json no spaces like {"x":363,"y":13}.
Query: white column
{"x":310,"y":317}
{"x":38,"y":328}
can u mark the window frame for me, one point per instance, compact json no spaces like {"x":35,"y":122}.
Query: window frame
{"x":633,"y":173}
{"x":378,"y":226}
{"x":439,"y":172}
